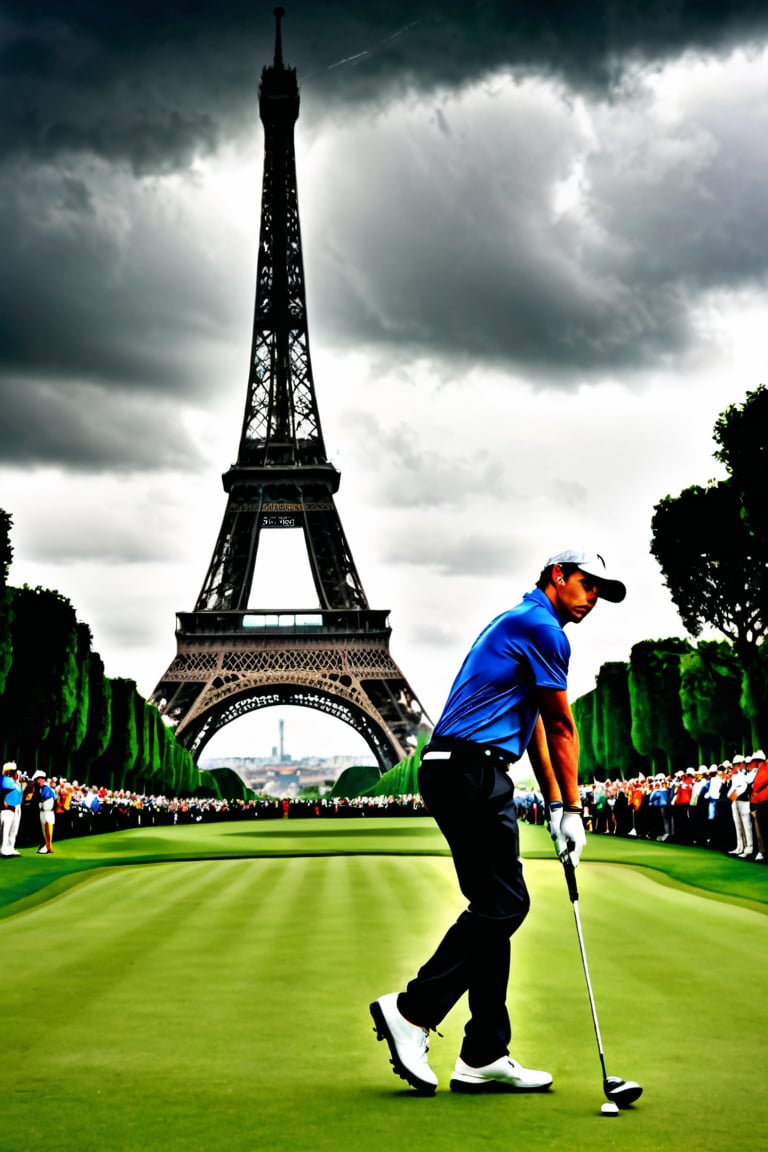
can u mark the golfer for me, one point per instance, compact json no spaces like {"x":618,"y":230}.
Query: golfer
{"x":509,"y":697}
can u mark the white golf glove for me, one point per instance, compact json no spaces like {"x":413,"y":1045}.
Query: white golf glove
{"x":554,"y":816}
{"x":570,"y":837}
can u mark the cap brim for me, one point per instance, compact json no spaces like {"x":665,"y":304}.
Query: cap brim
{"x":611,"y":590}
{"x":608,"y":589}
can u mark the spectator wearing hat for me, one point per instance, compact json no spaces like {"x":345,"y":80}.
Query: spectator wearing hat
{"x":10,"y":808}
{"x":637,"y":795}
{"x":711,"y":798}
{"x":758,"y":802}
{"x":64,"y":793}
{"x":681,"y":805}
{"x":659,"y":802}
{"x":46,"y":802}
{"x":698,"y":809}
{"x":738,"y":794}
{"x":621,"y":818}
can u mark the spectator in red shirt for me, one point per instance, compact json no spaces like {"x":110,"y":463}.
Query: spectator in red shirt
{"x":759,"y":801}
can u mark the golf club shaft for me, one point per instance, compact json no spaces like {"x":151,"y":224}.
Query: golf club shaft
{"x":573,"y":892}
{"x":584,"y":965}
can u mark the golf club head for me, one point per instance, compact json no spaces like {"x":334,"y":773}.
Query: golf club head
{"x":621,"y":1092}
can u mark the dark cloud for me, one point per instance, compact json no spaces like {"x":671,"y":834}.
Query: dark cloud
{"x":472,"y":259}
{"x":476,"y":262}
{"x":114,"y":305}
{"x":99,"y":284}
{"x":85,"y":428}
{"x":158,"y":81}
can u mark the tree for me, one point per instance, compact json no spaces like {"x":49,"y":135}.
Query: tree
{"x":41,"y":688}
{"x":6,"y":549}
{"x":354,"y":781}
{"x":187,"y":772}
{"x":119,"y":759}
{"x":715,"y":570}
{"x":613,"y":724}
{"x":224,"y":784}
{"x":403,"y":778}
{"x":584,"y":718}
{"x":155,"y":754}
{"x":742,"y":433}
{"x":73,"y":734}
{"x":169,"y":781}
{"x":710,"y":693}
{"x":99,"y":726}
{"x":141,"y":770}
{"x":654,"y":692}
{"x":6,"y":598}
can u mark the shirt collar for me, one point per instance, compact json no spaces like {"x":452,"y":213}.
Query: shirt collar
{"x":541,"y":598}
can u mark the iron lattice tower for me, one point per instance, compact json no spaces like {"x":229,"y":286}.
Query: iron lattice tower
{"x":232,"y":659}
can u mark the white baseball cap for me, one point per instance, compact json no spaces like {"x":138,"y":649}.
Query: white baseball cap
{"x":593,"y":564}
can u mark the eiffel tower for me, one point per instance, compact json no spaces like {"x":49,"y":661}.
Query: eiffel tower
{"x":233,"y":659}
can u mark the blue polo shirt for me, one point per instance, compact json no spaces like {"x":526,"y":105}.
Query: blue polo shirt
{"x":493,"y":698}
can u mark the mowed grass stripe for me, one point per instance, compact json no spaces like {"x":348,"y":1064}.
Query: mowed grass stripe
{"x":232,"y":1011}
{"x":248,"y":987}
{"x":128,"y":949}
{"x":115,"y":930}
{"x":402,"y":898}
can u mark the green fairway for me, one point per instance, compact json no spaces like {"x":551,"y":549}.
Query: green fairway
{"x":207,"y":988}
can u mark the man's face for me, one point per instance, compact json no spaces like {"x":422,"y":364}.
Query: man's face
{"x":575,"y":597}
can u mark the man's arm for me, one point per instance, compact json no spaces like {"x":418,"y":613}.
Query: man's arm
{"x":554,"y":754}
{"x":554,"y":749}
{"x":538,"y":754}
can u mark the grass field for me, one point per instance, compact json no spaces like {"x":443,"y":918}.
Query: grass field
{"x":206,"y":988}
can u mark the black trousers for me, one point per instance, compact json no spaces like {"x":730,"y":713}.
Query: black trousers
{"x":471,"y":798}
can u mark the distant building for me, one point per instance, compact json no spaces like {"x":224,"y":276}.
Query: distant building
{"x":269,"y":777}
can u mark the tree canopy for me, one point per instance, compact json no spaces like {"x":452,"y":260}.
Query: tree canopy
{"x":710,"y":694}
{"x":707,"y":556}
{"x":6,"y":549}
{"x":742,"y":434}
{"x":711,"y":544}
{"x":658,"y":732}
{"x":6,"y":555}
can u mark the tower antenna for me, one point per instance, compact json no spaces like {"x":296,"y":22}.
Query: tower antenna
{"x":279,"y":13}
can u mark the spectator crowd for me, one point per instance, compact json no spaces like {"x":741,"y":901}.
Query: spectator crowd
{"x":35,"y":808}
{"x":721,"y":806}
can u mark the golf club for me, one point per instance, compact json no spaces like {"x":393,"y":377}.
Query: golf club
{"x":620,"y":1092}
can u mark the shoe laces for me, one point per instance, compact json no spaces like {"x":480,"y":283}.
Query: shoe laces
{"x":426,"y":1032}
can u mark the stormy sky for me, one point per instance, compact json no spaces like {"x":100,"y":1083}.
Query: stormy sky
{"x":535,"y":242}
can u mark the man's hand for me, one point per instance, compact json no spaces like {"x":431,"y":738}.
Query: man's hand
{"x":554,"y":816}
{"x":570,"y":836}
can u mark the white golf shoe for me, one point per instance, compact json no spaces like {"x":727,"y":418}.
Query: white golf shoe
{"x":503,"y":1075}
{"x":408,"y":1044}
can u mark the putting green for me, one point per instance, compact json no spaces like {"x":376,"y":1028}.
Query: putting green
{"x":206,"y":988}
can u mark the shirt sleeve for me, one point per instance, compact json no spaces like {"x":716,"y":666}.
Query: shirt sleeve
{"x":548,"y":654}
